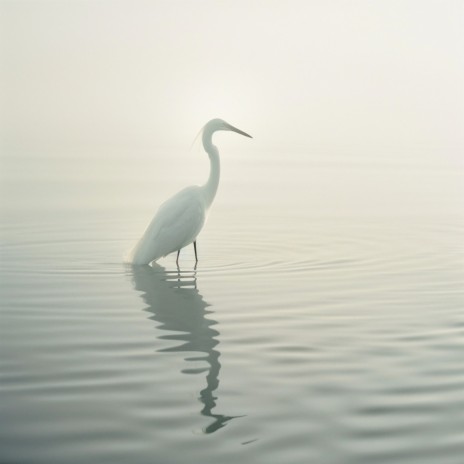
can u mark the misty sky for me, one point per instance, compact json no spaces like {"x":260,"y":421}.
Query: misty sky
{"x":325,"y":76}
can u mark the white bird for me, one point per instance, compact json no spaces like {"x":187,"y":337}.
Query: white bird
{"x":180,"y":219}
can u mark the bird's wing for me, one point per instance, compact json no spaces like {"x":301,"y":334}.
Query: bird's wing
{"x":181,"y":220}
{"x":176,"y":224}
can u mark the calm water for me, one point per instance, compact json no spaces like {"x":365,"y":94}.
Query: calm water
{"x":324,"y":322}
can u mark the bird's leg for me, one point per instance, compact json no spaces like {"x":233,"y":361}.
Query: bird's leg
{"x":177,"y":259}
{"x":195,"y":248}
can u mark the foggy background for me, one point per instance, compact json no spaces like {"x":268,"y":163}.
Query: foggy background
{"x":331,"y":266}
{"x":329,"y":77}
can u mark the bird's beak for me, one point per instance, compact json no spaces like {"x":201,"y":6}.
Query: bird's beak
{"x":232,"y":128}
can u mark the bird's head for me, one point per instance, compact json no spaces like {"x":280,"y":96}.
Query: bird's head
{"x":219,"y":124}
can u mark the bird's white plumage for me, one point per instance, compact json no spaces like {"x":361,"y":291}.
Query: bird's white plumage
{"x":180,"y":219}
{"x":177,"y":223}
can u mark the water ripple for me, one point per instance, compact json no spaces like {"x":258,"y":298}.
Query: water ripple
{"x":343,"y":343}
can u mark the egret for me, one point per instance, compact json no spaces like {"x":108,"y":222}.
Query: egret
{"x":180,"y":219}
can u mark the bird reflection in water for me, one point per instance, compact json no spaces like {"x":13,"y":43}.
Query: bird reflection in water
{"x":179,"y":308}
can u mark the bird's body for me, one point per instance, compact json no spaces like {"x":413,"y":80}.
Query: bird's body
{"x":180,"y":219}
{"x":176,"y":224}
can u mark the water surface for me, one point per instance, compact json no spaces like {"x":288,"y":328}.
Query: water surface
{"x":324,"y":321}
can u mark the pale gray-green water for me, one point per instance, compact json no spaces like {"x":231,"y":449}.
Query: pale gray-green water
{"x":324,"y":322}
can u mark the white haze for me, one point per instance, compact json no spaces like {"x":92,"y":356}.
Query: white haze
{"x":338,"y":78}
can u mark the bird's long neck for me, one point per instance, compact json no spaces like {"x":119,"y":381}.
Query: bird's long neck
{"x":211,"y":186}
